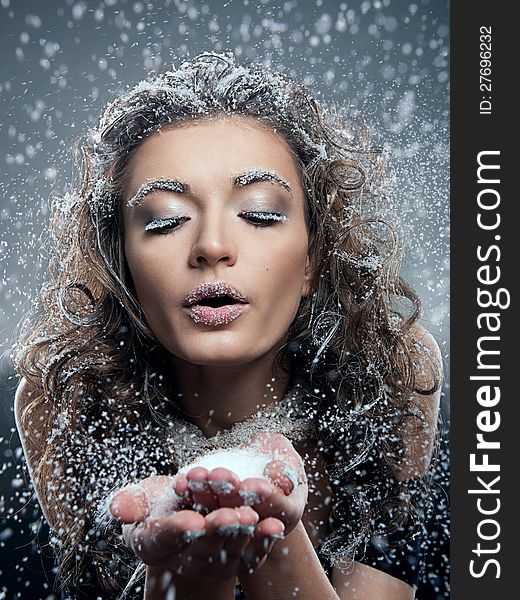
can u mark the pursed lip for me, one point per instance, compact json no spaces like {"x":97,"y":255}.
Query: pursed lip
{"x":214,"y":289}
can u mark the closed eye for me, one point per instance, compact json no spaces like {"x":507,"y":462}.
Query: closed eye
{"x":263,"y":218}
{"x":164,"y":226}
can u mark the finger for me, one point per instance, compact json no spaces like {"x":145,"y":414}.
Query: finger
{"x":197,"y":479}
{"x":229,"y":530}
{"x":155,"y":539}
{"x":223,"y":521}
{"x":130,"y":504}
{"x":282,"y":476}
{"x":255,"y":491}
{"x":270,"y":527}
{"x":266,"y":533}
{"x":288,"y":468}
{"x":161,"y":496}
{"x":248,"y":520}
{"x":269,"y":501}
{"x":203,"y":498}
{"x":208,"y":551}
{"x":225,"y":485}
{"x":247,"y":516}
{"x":235,"y":545}
{"x":181,"y":486}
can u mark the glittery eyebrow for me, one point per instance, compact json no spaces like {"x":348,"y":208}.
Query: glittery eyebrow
{"x":169,"y":185}
{"x":260,"y":174}
{"x":248,"y":177}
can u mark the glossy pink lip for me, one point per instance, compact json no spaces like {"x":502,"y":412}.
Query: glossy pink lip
{"x":215,"y":315}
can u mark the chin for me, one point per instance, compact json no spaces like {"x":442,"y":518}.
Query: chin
{"x":218,"y":348}
{"x":219,"y":353}
{"x":220,"y":357}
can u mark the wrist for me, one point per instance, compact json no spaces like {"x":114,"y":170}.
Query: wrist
{"x":295,"y":546}
{"x":160,"y":580}
{"x":292,"y":567}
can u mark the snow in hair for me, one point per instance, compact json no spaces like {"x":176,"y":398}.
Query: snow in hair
{"x":206,"y":86}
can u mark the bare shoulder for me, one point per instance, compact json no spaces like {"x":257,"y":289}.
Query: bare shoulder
{"x":420,"y":429}
{"x":428,"y":354}
{"x":23,"y":396}
{"x":363,"y":582}
{"x":424,"y":337}
{"x":32,"y":416}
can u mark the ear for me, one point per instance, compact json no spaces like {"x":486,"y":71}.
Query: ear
{"x":306,"y":289}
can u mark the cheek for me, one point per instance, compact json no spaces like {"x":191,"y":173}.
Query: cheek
{"x":135,"y":262}
{"x":284,"y":270}
{"x":147,"y":273}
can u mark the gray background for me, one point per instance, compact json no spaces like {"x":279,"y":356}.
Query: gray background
{"x":62,"y":60}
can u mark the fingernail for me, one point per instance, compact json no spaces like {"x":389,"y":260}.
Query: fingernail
{"x":193,"y":534}
{"x":250,"y":497}
{"x":291,"y":475}
{"x":247,"y":529}
{"x":222,"y":487}
{"x":197,"y":486}
{"x":229,"y":530}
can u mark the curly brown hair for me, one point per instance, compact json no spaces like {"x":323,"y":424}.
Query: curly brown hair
{"x":93,"y":362}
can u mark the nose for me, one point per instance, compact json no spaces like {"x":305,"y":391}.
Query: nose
{"x":213,"y":244}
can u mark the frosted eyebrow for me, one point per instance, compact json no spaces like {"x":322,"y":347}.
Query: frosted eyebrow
{"x":258,"y":174}
{"x":169,"y":185}
{"x":246,"y":178}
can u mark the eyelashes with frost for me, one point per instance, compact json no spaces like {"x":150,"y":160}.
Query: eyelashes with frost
{"x":160,"y":223}
{"x":174,"y":221}
{"x":264,"y":216}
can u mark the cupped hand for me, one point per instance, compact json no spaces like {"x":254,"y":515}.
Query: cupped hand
{"x":281,"y":495}
{"x":224,"y":543}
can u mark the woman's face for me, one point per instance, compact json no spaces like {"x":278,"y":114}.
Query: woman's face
{"x":216,"y":240}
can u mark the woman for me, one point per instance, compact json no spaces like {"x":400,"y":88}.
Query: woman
{"x":217,"y":260}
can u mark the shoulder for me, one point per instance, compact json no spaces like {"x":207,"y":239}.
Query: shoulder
{"x":22,"y":397}
{"x":33,"y":415}
{"x":428,"y":357}
{"x":362,"y":581}
{"x":421,"y":335}
{"x":420,"y":426}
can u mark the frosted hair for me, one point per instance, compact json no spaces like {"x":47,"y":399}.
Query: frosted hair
{"x":94,"y":365}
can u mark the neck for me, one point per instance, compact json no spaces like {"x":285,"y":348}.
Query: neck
{"x":216,"y":397}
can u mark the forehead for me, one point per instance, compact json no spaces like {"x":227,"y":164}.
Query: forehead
{"x":212,"y":148}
